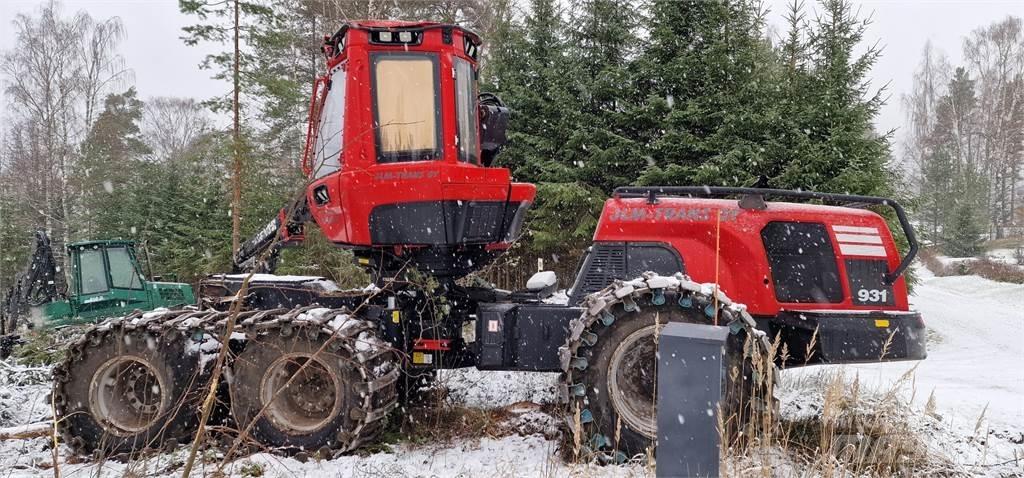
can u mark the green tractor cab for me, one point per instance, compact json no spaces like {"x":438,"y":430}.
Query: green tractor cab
{"x":105,"y":280}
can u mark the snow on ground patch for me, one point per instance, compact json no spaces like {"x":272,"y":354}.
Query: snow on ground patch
{"x":510,"y":456}
{"x":23,"y":401}
{"x":1006,"y":256}
{"x":979,"y":362}
{"x":23,"y":392}
{"x":488,"y":389}
{"x":950,"y":261}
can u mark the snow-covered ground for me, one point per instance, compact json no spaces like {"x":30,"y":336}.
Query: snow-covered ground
{"x":974,"y":369}
{"x":975,"y":366}
{"x":949,"y":261}
{"x":530,"y":450}
{"x":975,"y":351}
{"x":1003,"y":256}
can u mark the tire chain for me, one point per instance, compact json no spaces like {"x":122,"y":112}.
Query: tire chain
{"x":378,"y":367}
{"x":597,"y":308}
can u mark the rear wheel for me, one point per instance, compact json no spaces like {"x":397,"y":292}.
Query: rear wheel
{"x":293,"y":392}
{"x":122,"y":391}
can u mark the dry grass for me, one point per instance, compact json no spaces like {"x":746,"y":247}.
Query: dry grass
{"x":446,"y":423}
{"x":435,"y":419}
{"x":829,"y":426}
{"x":838,"y":429}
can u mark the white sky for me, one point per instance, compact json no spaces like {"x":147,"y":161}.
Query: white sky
{"x":901,"y":28}
{"x":164,"y":66}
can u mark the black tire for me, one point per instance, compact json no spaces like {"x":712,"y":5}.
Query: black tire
{"x":338,"y":399}
{"x":621,"y":423}
{"x":122,"y":391}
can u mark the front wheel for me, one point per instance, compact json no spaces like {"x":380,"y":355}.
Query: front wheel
{"x":610,"y":377}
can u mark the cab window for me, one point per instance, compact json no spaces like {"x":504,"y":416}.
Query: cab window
{"x":406,"y":109}
{"x":123,"y":274}
{"x":92,"y":272}
{"x":330,"y":131}
{"x":465,"y":107}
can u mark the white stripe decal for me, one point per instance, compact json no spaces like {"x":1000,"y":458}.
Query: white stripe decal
{"x":858,"y":238}
{"x":856,"y":229}
{"x":854,"y":250}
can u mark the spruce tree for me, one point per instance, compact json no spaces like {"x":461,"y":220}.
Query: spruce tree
{"x":963,"y":234}
{"x":837,"y":148}
{"x":935,"y":199}
{"x":110,"y":169}
{"x":535,"y":89}
{"x":601,"y":150}
{"x":708,"y":103}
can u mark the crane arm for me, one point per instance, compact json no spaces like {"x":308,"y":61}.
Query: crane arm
{"x":34,"y":286}
{"x":259,"y":254}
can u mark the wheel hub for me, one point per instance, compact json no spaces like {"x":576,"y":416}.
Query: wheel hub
{"x":126,"y":395}
{"x":308,"y":402}
{"x":632,"y":381}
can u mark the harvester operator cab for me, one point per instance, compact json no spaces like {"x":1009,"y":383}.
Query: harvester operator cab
{"x":400,"y":151}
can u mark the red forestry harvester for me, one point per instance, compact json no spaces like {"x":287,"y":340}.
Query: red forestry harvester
{"x":400,"y":158}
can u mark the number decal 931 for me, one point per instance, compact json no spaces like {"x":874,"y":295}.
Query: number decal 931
{"x":872,"y":296}
{"x":867,"y":284}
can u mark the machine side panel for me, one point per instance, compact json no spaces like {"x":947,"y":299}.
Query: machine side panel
{"x":523,"y":337}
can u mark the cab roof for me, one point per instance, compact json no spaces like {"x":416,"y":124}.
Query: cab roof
{"x":102,"y":243}
{"x":370,"y":25}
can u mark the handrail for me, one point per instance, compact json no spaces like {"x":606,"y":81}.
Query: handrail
{"x":723,"y":191}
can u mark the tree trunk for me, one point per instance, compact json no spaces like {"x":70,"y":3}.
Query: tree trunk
{"x":236,"y":177}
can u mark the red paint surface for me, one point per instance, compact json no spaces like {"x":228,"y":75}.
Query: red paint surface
{"x":362,"y":184}
{"x":744,"y":274}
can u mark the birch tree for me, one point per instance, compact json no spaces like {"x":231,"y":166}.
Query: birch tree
{"x":58,"y":69}
{"x":995,"y":56}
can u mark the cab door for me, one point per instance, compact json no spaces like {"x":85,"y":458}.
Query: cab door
{"x":126,"y":280}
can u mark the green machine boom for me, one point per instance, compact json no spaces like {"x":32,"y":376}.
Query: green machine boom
{"x":104,"y":279}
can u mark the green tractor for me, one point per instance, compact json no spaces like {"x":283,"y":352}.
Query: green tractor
{"x":106,"y":280}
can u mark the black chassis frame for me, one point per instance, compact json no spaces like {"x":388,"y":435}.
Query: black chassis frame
{"x":527,"y":336}
{"x":516,"y":331}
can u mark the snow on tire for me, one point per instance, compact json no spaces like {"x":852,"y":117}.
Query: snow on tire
{"x":323,"y":383}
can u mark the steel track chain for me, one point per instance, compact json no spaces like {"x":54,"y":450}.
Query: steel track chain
{"x":378,"y":368}
{"x":597,"y":308}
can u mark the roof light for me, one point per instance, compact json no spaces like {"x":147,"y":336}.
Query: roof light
{"x":403,"y":37}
